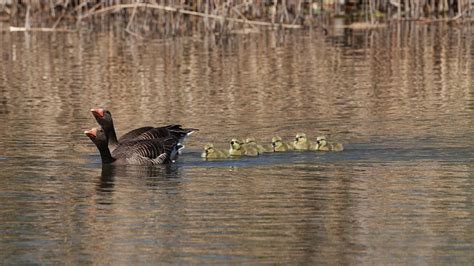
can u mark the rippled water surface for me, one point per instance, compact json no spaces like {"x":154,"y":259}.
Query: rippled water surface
{"x":401,"y":100}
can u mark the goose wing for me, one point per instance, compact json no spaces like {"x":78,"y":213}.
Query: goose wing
{"x":146,"y":152}
{"x":175,"y":132}
{"x":131,"y":135}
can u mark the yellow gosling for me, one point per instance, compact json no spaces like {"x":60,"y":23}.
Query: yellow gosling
{"x":211,"y":153}
{"x":278,"y":145}
{"x":250,"y":142}
{"x":237,"y":148}
{"x":302,"y":143}
{"x":323,"y":145}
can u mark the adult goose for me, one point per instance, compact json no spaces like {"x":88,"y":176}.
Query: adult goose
{"x":134,"y":152}
{"x":104,"y":119}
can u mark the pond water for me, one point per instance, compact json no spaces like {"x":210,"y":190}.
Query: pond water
{"x":400,"y":99}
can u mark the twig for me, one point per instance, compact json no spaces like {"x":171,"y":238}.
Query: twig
{"x":133,"y":15}
{"x":81,"y":6}
{"x":27,"y":19}
{"x":243,"y":17}
{"x":57,"y":21}
{"x":298,"y":13}
{"x":458,"y":16}
{"x":133,"y":33}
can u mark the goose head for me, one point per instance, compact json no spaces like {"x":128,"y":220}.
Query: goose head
{"x":98,"y":137}
{"x":103,"y":117}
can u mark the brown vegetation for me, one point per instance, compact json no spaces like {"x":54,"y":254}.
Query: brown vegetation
{"x":171,"y":17}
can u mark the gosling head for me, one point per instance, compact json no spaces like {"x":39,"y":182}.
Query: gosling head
{"x":236,"y":144}
{"x":277,"y":142}
{"x":300,"y":138}
{"x":209,"y":148}
{"x":321,"y":141}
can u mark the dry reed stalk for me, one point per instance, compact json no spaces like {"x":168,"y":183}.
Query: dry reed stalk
{"x":176,"y":16}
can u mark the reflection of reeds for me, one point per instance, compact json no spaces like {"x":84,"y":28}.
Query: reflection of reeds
{"x":171,"y":17}
{"x":255,"y":86}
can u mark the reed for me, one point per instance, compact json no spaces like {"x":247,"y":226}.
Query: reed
{"x":171,"y":17}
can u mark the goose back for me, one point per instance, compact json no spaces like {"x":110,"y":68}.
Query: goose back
{"x":132,"y":134}
{"x":146,"y":152}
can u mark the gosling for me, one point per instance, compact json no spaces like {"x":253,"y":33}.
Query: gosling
{"x":211,"y":153}
{"x":323,"y":145}
{"x":302,"y":143}
{"x":250,"y":142}
{"x":237,"y":148}
{"x":279,"y":145}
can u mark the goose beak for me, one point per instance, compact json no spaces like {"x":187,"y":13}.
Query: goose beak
{"x":92,"y":133}
{"x":98,"y":113}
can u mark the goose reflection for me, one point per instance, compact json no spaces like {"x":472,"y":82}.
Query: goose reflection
{"x":151,"y":174}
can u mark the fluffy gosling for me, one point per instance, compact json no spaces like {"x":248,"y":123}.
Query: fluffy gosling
{"x":279,"y":145}
{"x":302,"y":143}
{"x":237,"y":148}
{"x":323,"y":145}
{"x":250,"y":142}
{"x":210,"y":152}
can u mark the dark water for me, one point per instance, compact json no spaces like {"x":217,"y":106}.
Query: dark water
{"x":400,"y":99}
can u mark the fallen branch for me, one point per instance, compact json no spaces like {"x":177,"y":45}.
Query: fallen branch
{"x":193,"y":13}
{"x":363,"y":26}
{"x":12,"y":29}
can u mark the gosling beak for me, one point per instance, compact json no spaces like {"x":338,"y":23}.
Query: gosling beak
{"x":92,"y":133}
{"x":98,"y":113}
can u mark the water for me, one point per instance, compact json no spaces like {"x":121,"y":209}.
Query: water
{"x":400,"y":99}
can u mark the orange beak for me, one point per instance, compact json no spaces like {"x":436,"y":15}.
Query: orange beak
{"x":92,"y":133}
{"x":98,"y":113}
